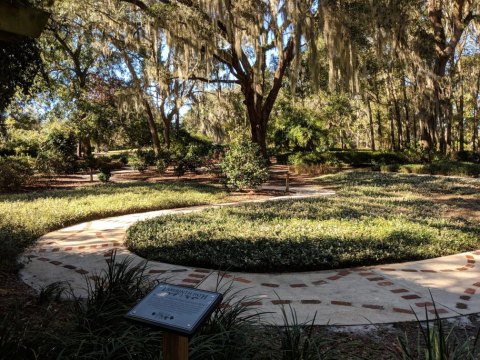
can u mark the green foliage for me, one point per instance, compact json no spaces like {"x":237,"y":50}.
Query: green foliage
{"x":15,"y":171}
{"x":57,"y":152}
{"x":389,"y":167}
{"x":59,"y":208}
{"x":138,"y":164}
{"x":161,"y":166}
{"x":374,"y":218}
{"x":243,"y":165}
{"x":437,"y":342}
{"x":467,"y":156}
{"x":19,"y":64}
{"x":104,"y":176}
{"x":448,"y":168}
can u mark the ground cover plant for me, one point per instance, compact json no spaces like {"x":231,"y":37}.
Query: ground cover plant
{"x":374,"y":218}
{"x":25,"y":217}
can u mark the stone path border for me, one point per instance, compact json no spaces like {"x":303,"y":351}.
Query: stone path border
{"x":354,"y":296}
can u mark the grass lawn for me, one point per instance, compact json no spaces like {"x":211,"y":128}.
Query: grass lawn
{"x":25,"y":217}
{"x":374,"y":218}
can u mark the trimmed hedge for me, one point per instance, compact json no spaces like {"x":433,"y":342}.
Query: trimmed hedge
{"x":351,"y":157}
{"x":448,"y":168}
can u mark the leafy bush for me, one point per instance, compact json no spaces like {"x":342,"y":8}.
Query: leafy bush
{"x":161,"y":166}
{"x":448,"y":168}
{"x":138,"y":164}
{"x":15,"y":171}
{"x":122,"y":157}
{"x":244,"y":166}
{"x":104,"y":176}
{"x":467,"y":156}
{"x":389,"y":168}
{"x":52,"y":161}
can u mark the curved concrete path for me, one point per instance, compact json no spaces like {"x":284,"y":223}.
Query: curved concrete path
{"x":379,"y":294}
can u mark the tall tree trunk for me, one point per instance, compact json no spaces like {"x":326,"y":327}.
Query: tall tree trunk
{"x":152,"y":126}
{"x":370,"y":118}
{"x":379,"y":126}
{"x":461,"y":126}
{"x":476,"y":117}
{"x":407,"y":113}
{"x":392,"y":126}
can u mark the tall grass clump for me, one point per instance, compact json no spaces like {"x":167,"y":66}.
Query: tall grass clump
{"x":436,"y":342}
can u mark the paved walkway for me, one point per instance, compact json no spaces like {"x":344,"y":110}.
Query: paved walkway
{"x":380,"y":294}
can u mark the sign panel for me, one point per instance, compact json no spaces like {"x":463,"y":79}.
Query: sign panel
{"x":176,"y":308}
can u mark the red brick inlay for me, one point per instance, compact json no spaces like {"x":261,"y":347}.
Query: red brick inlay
{"x":410,"y":297}
{"x":281,"y":302}
{"x":344,"y":273}
{"x":153,"y":271}
{"x":341,"y":303}
{"x":388,"y":269}
{"x":374,"y":307}
{"x":310,"y":301}
{"x":368,"y":273}
{"x":191,"y":281}
{"x":55,"y":262}
{"x":198,"y":276}
{"x":403,"y":311}
{"x":71,"y":267}
{"x":43,"y":259}
{"x":270,"y":285}
{"x":439,"y":311}
{"x":203,"y":271}
{"x":398,"y":291}
{"x":242,"y":280}
{"x":81,"y":271}
{"x":465,"y":297}
{"x":385,"y":283}
{"x":335,"y":277}
{"x":56,"y":249}
{"x":376,"y":278}
{"x":428,"y":271}
{"x":409,"y":270}
{"x":423,"y":304}
{"x":470,"y":291}
{"x":298,"y":285}
{"x":477,"y":284}
{"x":319,"y":282}
{"x":461,"y":306}
{"x":251,"y":303}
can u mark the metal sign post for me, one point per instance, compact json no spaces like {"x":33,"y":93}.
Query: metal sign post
{"x":177,"y":310}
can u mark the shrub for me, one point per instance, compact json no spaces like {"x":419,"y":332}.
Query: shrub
{"x":389,"y":168}
{"x":122,"y":157}
{"x":138,"y":164}
{"x":104,"y":176}
{"x":161,"y":166}
{"x":147,"y":156}
{"x":52,"y":161}
{"x":179,"y":169}
{"x":244,"y":166}
{"x":15,"y":171}
{"x":467,"y":156}
{"x":448,"y":168}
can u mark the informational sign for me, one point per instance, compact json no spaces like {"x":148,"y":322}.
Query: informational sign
{"x":176,"y":308}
